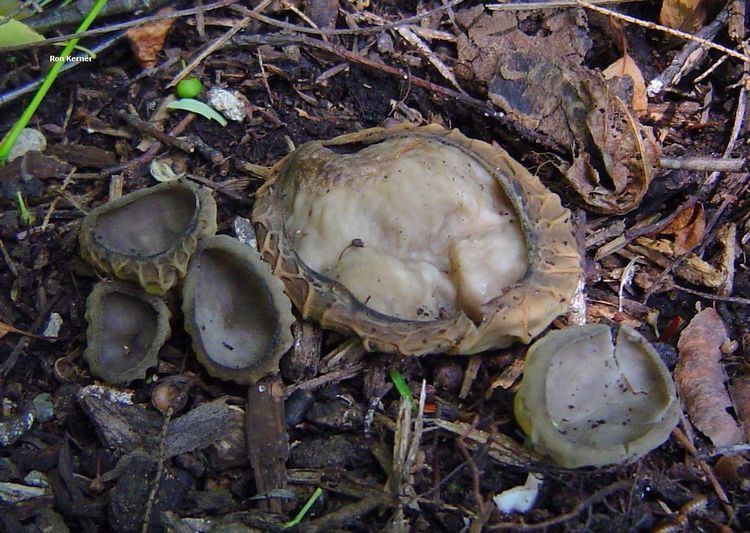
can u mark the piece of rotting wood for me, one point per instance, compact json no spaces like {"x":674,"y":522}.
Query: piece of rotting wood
{"x":267,"y":441}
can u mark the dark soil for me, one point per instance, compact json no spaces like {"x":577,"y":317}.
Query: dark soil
{"x":343,"y":438}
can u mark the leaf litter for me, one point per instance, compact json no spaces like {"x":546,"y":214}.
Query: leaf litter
{"x":534,"y":71}
{"x":700,"y":378}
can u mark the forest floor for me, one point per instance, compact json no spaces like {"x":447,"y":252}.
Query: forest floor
{"x":658,"y":247}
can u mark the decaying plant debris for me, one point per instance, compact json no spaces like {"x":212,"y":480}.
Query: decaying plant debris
{"x":583,"y":99}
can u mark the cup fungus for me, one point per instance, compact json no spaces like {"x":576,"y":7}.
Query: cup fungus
{"x":126,"y":329}
{"x":235,"y":311}
{"x":148,"y":236}
{"x":418,"y":240}
{"x":585,"y":402}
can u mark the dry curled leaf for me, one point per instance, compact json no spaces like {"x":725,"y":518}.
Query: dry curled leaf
{"x":534,"y":71}
{"x":625,"y":66}
{"x":148,"y":40}
{"x":687,"y":15}
{"x":700,"y":378}
{"x":688,"y":227}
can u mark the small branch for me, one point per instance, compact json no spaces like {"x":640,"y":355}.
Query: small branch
{"x":705,"y":43}
{"x":709,"y":296}
{"x":559,"y":4}
{"x":156,"y":133}
{"x":705,"y":164}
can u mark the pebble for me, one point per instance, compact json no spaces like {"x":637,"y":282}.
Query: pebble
{"x":232,"y":104}
{"x":29,"y":140}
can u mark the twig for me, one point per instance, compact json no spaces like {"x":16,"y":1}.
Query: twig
{"x":119,"y":26}
{"x":690,"y":447}
{"x":353,"y":31}
{"x":280,"y":39}
{"x":159,"y":469}
{"x":704,"y":164}
{"x":559,"y":4}
{"x":686,"y":59}
{"x":23,"y":342}
{"x":578,"y":509}
{"x":156,"y":133}
{"x":675,"y":33}
{"x":709,"y":296}
{"x":217,"y":43}
{"x":149,"y":154}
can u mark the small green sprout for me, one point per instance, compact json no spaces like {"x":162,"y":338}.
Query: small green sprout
{"x":305,"y":509}
{"x":27,"y":217}
{"x":189,"y":88}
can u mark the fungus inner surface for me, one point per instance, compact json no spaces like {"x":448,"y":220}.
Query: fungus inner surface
{"x":612,"y":395}
{"x":148,"y":225}
{"x":128,"y":331}
{"x":234,"y":314}
{"x":413,"y":227}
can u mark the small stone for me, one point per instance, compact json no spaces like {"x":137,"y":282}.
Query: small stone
{"x":44,"y":409}
{"x":29,"y":140}
{"x":35,"y":478}
{"x":232,"y":104}
{"x":52,"y":329}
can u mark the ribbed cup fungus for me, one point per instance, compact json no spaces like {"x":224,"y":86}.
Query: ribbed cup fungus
{"x":148,"y":236}
{"x":235,"y":311}
{"x":585,"y":402}
{"x":126,"y":329}
{"x":418,"y":240}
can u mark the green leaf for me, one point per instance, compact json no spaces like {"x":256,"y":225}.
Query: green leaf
{"x":14,"y":33}
{"x":196,"y":106}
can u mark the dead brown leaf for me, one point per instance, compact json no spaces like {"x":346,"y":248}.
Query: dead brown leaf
{"x":625,"y":66}
{"x":689,"y":228}
{"x":148,"y":40}
{"x":534,"y":71}
{"x":686,"y":15}
{"x":700,"y":378}
{"x":740,"y":391}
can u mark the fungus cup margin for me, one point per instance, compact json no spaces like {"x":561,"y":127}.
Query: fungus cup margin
{"x":523,"y":311}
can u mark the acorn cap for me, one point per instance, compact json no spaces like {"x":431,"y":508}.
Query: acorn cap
{"x":126,"y":329}
{"x":519,"y":311}
{"x":585,"y":402}
{"x":148,"y":236}
{"x":235,"y":311}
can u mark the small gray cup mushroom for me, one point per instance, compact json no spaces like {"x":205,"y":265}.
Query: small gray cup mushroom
{"x":126,"y":330}
{"x":235,"y":311}
{"x":586,"y":402}
{"x":148,"y":236}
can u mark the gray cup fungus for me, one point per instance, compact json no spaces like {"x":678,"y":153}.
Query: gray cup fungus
{"x":149,"y":235}
{"x":585,"y":402}
{"x":235,"y":311}
{"x":418,"y":240}
{"x":126,"y":330}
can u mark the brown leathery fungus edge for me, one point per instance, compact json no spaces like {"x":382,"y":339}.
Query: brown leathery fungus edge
{"x":521,"y":313}
{"x":95,"y":331}
{"x":156,"y":273}
{"x":283,"y":338}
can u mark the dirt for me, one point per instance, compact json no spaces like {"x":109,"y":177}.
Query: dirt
{"x":344,"y":442}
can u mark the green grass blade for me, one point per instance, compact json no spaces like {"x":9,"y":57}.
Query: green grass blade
{"x":49,"y":79}
{"x":305,"y":509}
{"x":402,"y":387}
